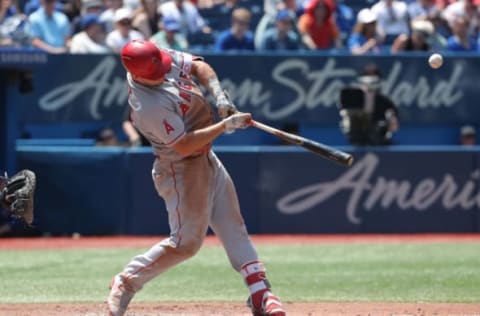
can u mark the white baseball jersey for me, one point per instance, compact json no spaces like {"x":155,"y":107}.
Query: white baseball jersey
{"x":165,"y":113}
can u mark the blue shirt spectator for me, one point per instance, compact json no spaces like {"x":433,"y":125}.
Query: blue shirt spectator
{"x":345,"y":18}
{"x":454,"y":45}
{"x":281,"y":36}
{"x":238,"y":37}
{"x":228,"y":41}
{"x":33,"y":5}
{"x":273,"y":41}
{"x":49,"y":29}
{"x":358,"y":40}
{"x":363,"y":38}
{"x":460,"y":41}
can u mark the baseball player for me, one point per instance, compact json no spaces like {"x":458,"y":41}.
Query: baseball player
{"x":169,"y":109}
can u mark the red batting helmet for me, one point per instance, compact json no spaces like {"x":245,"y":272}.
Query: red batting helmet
{"x":145,"y":60}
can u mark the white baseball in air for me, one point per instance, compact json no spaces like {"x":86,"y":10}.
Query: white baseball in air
{"x":435,"y":61}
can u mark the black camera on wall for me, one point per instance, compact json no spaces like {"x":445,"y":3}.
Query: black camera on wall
{"x":367,"y":117}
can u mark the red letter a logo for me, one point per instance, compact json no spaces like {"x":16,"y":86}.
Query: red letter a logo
{"x":168,"y":128}
{"x":184,"y":108}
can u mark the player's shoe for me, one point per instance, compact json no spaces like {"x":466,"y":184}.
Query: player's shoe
{"x":271,"y":306}
{"x":119,"y":297}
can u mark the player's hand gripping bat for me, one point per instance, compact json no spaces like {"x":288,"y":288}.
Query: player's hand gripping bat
{"x":317,"y":148}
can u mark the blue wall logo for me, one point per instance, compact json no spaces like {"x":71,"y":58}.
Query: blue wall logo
{"x":368,"y":191}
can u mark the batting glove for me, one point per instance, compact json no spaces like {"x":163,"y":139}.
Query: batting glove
{"x":225,"y":106}
{"x":237,"y":120}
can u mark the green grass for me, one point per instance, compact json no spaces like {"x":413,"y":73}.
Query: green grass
{"x":443,"y":272}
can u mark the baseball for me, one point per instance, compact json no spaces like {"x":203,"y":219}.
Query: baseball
{"x":435,"y":61}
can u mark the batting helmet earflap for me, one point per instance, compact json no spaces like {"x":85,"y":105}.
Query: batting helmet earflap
{"x":145,"y":60}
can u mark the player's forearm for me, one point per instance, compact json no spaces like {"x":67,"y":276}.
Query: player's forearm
{"x":207,"y":77}
{"x":196,"y":140}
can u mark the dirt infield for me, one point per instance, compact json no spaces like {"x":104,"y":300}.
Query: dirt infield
{"x":236,"y":308}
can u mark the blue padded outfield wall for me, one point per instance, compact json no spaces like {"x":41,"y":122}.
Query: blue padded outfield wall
{"x":275,"y":88}
{"x":281,"y":189}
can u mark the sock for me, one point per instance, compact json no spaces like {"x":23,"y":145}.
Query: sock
{"x":254,"y":275}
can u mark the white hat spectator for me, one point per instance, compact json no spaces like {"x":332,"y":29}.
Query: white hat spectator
{"x":423,"y":26}
{"x":366,"y":16}
{"x":123,"y":14}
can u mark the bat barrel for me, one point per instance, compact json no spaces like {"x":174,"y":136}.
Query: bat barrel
{"x":328,"y":152}
{"x":317,"y":148}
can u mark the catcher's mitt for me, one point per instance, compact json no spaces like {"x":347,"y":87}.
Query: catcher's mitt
{"x":16,"y":194}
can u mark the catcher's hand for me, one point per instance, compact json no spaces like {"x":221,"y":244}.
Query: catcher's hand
{"x":17,"y":193}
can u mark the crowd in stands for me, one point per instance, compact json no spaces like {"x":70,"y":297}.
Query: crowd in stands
{"x":357,"y":26}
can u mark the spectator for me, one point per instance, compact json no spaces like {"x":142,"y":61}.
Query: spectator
{"x":134,"y":5}
{"x":442,"y":4}
{"x":219,"y":13}
{"x":368,"y":117}
{"x":281,"y":36}
{"x":169,"y":37}
{"x":344,"y":18}
{"x":123,"y":32}
{"x":422,"y":9}
{"x":12,"y":25}
{"x":468,"y":136}
{"x":146,"y":19}
{"x":225,"y":7}
{"x":92,"y":39}
{"x":107,"y":137}
{"x":271,"y":8}
{"x":392,"y":19}
{"x":461,"y":41}
{"x":7,"y":9}
{"x":108,"y":15}
{"x":88,"y":7}
{"x":72,"y":9}
{"x":466,"y":9}
{"x":418,"y":40}
{"x":49,"y":29}
{"x":441,"y":31}
{"x":317,"y":26}
{"x":364,"y":40}
{"x":186,"y":15}
{"x":33,"y":5}
{"x":238,"y":37}
{"x":92,"y":7}
{"x":440,"y":25}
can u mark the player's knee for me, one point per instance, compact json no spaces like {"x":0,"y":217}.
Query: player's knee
{"x":189,"y":247}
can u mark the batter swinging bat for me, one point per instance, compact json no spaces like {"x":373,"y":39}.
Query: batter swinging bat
{"x":317,"y":148}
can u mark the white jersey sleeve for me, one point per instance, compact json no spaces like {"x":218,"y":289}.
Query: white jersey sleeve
{"x":183,"y":60}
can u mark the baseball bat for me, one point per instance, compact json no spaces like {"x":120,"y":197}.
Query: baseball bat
{"x":317,"y":148}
